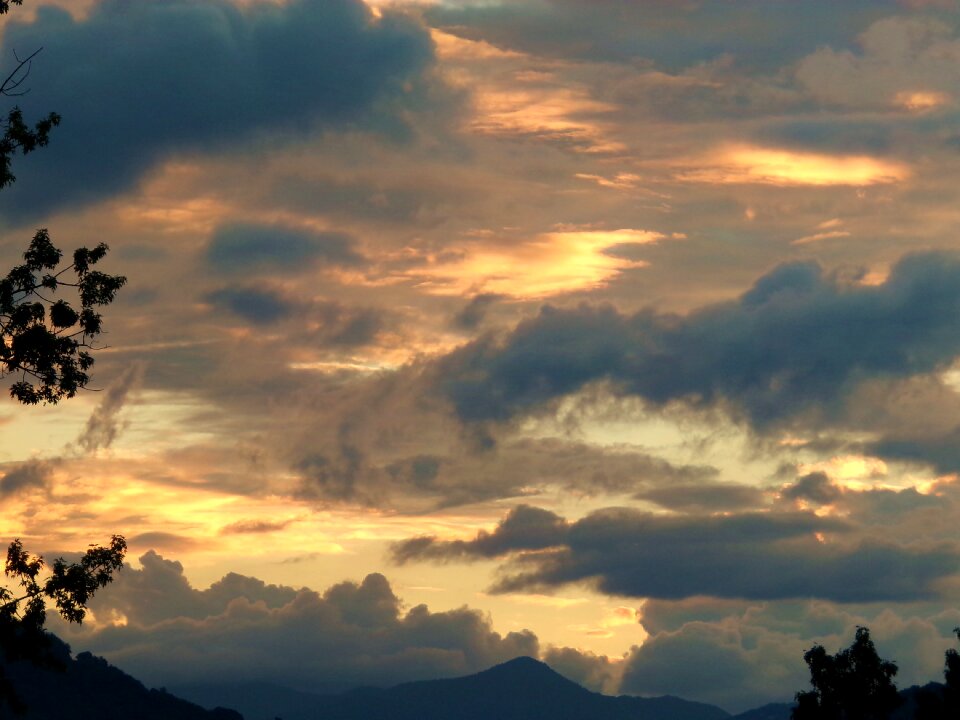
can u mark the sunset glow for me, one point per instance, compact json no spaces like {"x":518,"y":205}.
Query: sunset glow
{"x":622,"y":335}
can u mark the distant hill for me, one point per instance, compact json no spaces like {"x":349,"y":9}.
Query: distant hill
{"x":89,"y":688}
{"x":516,"y":690}
{"x":773,"y":711}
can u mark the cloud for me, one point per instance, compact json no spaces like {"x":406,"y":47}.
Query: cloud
{"x":905,"y":63}
{"x":138,"y":83}
{"x":29,"y":475}
{"x":474,"y":312}
{"x":450,"y":470}
{"x":245,"y":248}
{"x":241,"y":629}
{"x":103,"y":426}
{"x":704,"y":497}
{"x":814,"y":487}
{"x":758,"y":36}
{"x":740,"y":655}
{"x":547,"y":264}
{"x":524,"y":528}
{"x":592,"y":671}
{"x":631,"y":553}
{"x":800,"y":341}
{"x":255,"y":305}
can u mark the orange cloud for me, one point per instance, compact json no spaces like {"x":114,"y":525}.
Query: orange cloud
{"x":921,"y":101}
{"x":549,"y":264}
{"x":748,"y":164}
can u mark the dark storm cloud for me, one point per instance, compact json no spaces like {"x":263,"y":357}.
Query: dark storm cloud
{"x":136,"y":82}
{"x":799,"y":341}
{"x":751,"y":555}
{"x":241,"y":629}
{"x":244,"y":248}
{"x":757,"y":34}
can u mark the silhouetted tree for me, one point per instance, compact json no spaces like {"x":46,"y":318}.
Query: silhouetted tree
{"x":951,"y":676}
{"x":45,"y":343}
{"x":854,"y":684}
{"x":69,"y":587}
{"x":943,"y":703}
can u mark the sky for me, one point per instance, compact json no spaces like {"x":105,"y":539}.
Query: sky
{"x":621,"y":334}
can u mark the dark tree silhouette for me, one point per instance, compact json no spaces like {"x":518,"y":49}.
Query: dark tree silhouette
{"x":69,"y":587}
{"x":45,"y":344}
{"x":854,"y":684}
{"x":951,"y":676}
{"x":943,"y":702}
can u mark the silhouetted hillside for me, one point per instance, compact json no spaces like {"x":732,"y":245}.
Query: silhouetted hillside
{"x":773,"y":711}
{"x":517,"y":690}
{"x":89,"y":688}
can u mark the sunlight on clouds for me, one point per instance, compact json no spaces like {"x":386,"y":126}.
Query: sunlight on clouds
{"x":541,"y":110}
{"x":921,"y":101}
{"x":551,"y":263}
{"x":518,"y":100}
{"x":746,"y":164}
{"x":857,"y":472}
{"x":817,"y":237}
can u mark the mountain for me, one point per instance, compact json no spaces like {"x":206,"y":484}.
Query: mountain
{"x":516,"y":690}
{"x":773,"y":711}
{"x":89,"y":688}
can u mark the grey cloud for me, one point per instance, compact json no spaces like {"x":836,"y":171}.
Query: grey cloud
{"x":800,"y":341}
{"x":704,"y":497}
{"x":162,"y":540}
{"x":243,"y":248}
{"x":29,"y":475}
{"x":474,"y":312}
{"x":815,"y":487}
{"x":137,"y":82}
{"x":348,"y":468}
{"x":941,"y":452}
{"x":757,"y":555}
{"x":336,"y":324}
{"x":344,"y":326}
{"x":756,"y":34}
{"x":657,"y":615}
{"x":253,"y":527}
{"x":255,"y":305}
{"x":103,"y":425}
{"x":749,"y":555}
{"x":742,"y":657}
{"x":524,"y":528}
{"x":714,"y":663}
{"x":592,"y":671}
{"x":241,"y":629}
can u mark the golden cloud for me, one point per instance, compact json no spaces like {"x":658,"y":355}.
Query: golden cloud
{"x":549,"y":264}
{"x":749,"y":164}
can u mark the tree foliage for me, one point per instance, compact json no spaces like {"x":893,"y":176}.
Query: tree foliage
{"x":854,"y":684}
{"x":45,"y":340}
{"x":68,"y":586}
